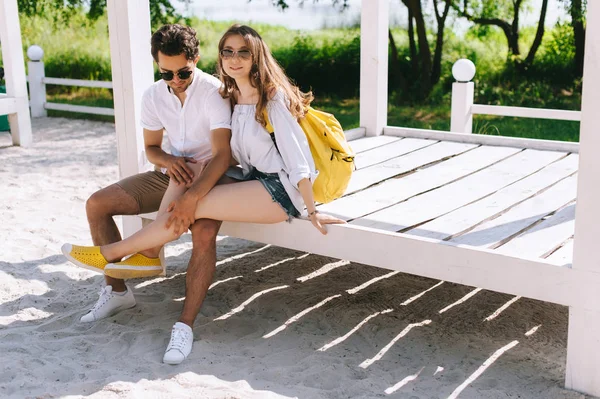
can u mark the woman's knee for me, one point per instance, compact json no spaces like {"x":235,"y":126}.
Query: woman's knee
{"x":204,"y":232}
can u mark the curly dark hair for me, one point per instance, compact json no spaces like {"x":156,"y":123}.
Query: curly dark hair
{"x":175,"y":39}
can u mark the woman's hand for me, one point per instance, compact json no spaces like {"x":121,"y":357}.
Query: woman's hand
{"x":319,"y":220}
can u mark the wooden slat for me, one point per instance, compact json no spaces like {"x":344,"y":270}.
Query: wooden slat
{"x":483,"y":139}
{"x":435,"y":203}
{"x":394,"y":191}
{"x":494,"y":231}
{"x":8,"y":105}
{"x":522,"y":112}
{"x":543,"y":237}
{"x":364,"y":178}
{"x":465,"y":218}
{"x":391,"y":150}
{"x":564,"y":255}
{"x":367,"y":143}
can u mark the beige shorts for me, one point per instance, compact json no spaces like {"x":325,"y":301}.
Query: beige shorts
{"x":147,"y":189}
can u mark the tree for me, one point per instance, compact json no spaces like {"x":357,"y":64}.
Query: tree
{"x":577,"y":10}
{"x":497,"y":13}
{"x":161,"y":11}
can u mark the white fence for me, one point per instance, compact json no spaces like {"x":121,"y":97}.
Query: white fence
{"x":462,"y":108}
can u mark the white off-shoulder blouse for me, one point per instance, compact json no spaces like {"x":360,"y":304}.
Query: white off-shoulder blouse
{"x":252,"y":147}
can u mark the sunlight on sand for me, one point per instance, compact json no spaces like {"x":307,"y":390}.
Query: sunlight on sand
{"x":402,"y":383}
{"x":461,"y":300}
{"x":280,"y":262}
{"x":414,"y":298}
{"x":240,"y":256}
{"x":386,"y":348}
{"x":368,"y":283}
{"x":502,"y":309}
{"x":481,"y":369}
{"x":325,"y":269}
{"x":344,"y":337}
{"x":248,"y":301}
{"x":299,"y":315}
{"x":28,"y":314}
{"x":532,"y":331}
{"x":213,"y":285}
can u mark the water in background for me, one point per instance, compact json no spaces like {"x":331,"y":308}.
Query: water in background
{"x":321,"y":14}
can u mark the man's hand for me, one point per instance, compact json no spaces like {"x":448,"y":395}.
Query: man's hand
{"x":183,"y":211}
{"x":178,"y":170}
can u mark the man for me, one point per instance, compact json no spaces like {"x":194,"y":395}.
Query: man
{"x":186,"y":105}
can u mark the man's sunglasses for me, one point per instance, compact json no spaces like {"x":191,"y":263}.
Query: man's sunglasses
{"x":183,"y":75}
{"x":243,"y":54}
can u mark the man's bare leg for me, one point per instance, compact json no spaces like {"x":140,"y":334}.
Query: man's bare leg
{"x":100,"y":209}
{"x":201,"y":267}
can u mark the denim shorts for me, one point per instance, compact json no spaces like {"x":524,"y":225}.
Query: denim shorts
{"x":273,"y":185}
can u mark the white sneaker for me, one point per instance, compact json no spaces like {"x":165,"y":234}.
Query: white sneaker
{"x":180,"y":345}
{"x":109,"y":304}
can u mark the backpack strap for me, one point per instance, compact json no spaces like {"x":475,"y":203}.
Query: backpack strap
{"x":269,"y":127}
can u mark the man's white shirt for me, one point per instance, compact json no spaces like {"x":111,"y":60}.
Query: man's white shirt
{"x":187,"y":127}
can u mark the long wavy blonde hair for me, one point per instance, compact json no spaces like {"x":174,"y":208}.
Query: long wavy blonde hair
{"x":266,"y":75}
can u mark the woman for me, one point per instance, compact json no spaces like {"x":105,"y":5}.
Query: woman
{"x":276,"y":175}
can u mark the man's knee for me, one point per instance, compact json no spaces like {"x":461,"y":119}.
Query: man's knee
{"x":110,"y":201}
{"x":204,"y":233}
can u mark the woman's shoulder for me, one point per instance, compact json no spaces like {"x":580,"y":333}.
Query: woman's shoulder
{"x":277,"y":96}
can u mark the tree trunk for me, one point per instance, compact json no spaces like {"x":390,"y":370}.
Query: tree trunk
{"x":538,"y":35}
{"x":577,"y":21}
{"x":424,"y":51}
{"x":411,"y":44}
{"x":436,"y":68}
{"x":396,"y":61}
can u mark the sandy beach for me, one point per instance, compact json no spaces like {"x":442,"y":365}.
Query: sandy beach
{"x":276,"y":323}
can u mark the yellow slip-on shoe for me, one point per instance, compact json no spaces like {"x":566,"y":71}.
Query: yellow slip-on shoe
{"x":135,"y":266}
{"x":87,"y":257}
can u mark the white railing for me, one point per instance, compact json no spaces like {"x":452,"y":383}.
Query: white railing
{"x":37,"y":88}
{"x":463,"y":108}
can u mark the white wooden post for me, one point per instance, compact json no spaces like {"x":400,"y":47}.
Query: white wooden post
{"x":132,"y":73}
{"x":461,"y":117}
{"x":37,"y":87}
{"x":14,"y":68}
{"x":583,"y":346}
{"x":374,"y":22}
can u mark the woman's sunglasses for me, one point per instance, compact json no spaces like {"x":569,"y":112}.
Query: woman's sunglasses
{"x":243,"y":54}
{"x":183,"y":75}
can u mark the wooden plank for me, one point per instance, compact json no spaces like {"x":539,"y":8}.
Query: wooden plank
{"x":8,"y":105}
{"x":388,"y":151}
{"x":374,"y":22}
{"x":487,"y":269}
{"x":544,"y":237}
{"x":80,"y":108}
{"x":364,"y":178}
{"x":14,"y":68}
{"x":564,"y":255}
{"x":466,"y":217}
{"x":583,"y":346}
{"x":394,"y":191}
{"x":522,"y":112}
{"x":432,"y":204}
{"x":367,"y":143}
{"x":483,"y":139}
{"x":78,"y":82}
{"x":519,"y":217}
{"x":132,"y":74}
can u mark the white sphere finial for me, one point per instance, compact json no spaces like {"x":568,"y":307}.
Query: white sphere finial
{"x":463,"y":70}
{"x":35,"y":53}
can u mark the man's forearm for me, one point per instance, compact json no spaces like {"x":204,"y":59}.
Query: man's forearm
{"x":157,"y":156}
{"x":211,"y":174}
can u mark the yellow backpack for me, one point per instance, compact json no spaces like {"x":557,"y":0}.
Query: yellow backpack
{"x":333,"y":156}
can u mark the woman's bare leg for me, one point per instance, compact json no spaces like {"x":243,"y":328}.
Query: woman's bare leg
{"x":240,"y":202}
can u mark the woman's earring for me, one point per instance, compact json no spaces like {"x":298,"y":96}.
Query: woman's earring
{"x":254,"y":71}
